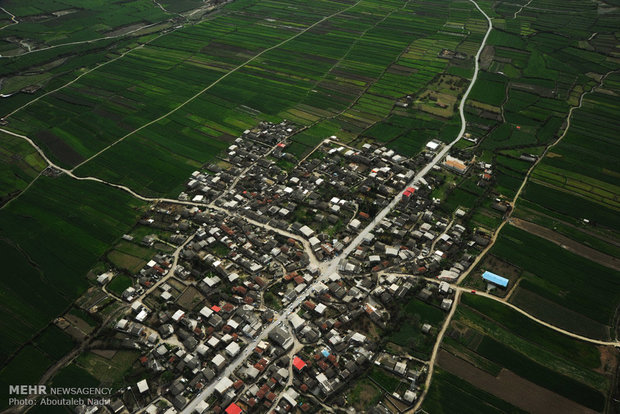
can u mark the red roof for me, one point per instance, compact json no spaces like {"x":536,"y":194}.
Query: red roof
{"x":215,"y":308}
{"x":233,"y":409}
{"x":298,"y":363}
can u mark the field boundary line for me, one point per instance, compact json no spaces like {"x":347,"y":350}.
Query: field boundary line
{"x":190,"y":99}
{"x":98,"y":39}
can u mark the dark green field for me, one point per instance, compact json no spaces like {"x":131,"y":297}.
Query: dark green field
{"x":570,"y":280}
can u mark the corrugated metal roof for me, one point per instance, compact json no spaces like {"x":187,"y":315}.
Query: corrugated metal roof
{"x":498,"y":280}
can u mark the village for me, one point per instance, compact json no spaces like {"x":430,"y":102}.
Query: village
{"x":279,"y":274}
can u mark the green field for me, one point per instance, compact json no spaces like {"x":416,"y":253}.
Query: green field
{"x":26,"y":368}
{"x":19,"y":165}
{"x":561,"y":276}
{"x":491,"y":335}
{"x":407,"y":332}
{"x":54,"y":342}
{"x":57,"y":230}
{"x":119,"y":284}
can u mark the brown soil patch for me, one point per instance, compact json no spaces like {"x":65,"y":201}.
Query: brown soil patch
{"x":59,"y":148}
{"x":609,"y":360}
{"x":79,"y":323}
{"x":105,"y":353}
{"x":512,"y":388}
{"x":190,"y":298}
{"x":567,"y":243}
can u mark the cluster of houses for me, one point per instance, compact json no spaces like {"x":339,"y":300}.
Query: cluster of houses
{"x":326,"y":197}
{"x":251,"y":234}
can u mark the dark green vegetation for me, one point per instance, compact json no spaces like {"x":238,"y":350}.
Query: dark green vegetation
{"x":54,"y":342}
{"x":384,"y":379}
{"x":324,"y":72}
{"x":56,"y":231}
{"x":119,"y":284}
{"x":54,"y":38}
{"x":560,"y":276}
{"x":19,"y":165}
{"x":408,"y":328}
{"x":449,"y":394}
{"x":491,"y":335}
{"x":26,"y":368}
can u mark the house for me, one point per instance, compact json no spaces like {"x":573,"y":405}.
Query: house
{"x":455,"y":164}
{"x":233,"y":349}
{"x":446,"y":304}
{"x":223,"y":385}
{"x":201,"y":407}
{"x":281,"y":337}
{"x":299,"y":363}
{"x":433,"y":145}
{"x":143,"y":386}
{"x":219,"y":361}
{"x":233,"y":409}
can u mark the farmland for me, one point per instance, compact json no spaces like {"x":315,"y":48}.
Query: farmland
{"x":335,"y":79}
{"x":20,"y":164}
{"x":408,"y":334}
{"x":52,"y":247}
{"x":449,"y":393}
{"x":560,"y":276}
{"x":490,"y":336}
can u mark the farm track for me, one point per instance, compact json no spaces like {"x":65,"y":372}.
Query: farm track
{"x":96,"y":67}
{"x":13,"y":19}
{"x":227,"y":74}
{"x":68,"y":358}
{"x":84,"y":41}
{"x":76,"y":79}
{"x":521,"y":9}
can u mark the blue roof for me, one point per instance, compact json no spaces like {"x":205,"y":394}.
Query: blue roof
{"x":493,"y":278}
{"x":325,"y":353}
